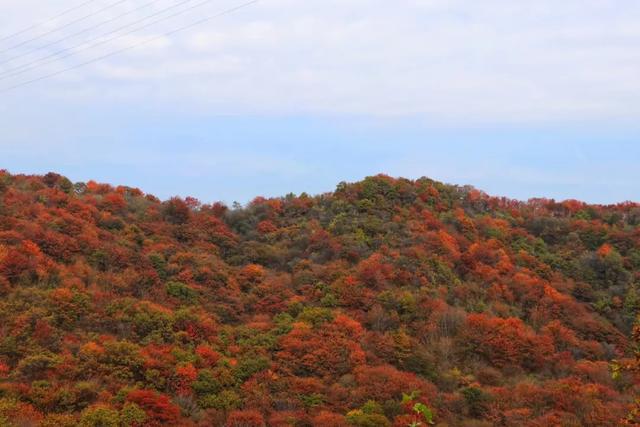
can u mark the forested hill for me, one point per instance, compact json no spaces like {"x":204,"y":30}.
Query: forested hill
{"x":385,"y":303}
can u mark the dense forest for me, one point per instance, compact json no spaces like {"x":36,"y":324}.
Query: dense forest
{"x":388,"y":302}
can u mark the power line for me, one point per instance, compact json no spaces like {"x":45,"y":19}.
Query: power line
{"x":93,"y":27}
{"x":67,"y":25}
{"x":133,"y":46}
{"x":34,"y":26}
{"x":56,"y":55}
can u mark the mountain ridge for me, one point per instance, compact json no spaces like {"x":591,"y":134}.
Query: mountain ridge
{"x":346,"y":308}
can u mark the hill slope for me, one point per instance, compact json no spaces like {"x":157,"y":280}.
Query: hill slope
{"x":119,"y":309}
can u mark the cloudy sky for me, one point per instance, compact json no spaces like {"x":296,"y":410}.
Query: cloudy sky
{"x":527,"y":98}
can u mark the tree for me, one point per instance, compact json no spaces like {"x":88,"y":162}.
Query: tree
{"x":247,"y":418}
{"x":158,"y":408}
{"x":100,"y":416}
{"x":176,"y":211}
{"x":505,"y":342}
{"x":331,"y":350}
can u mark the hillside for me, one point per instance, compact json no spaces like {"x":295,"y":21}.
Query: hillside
{"x":384,"y":303}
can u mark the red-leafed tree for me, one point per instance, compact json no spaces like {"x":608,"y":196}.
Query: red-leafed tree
{"x":158,"y":408}
{"x":246,"y":418}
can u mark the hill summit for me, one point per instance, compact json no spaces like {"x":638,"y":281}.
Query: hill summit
{"x":388,"y":302}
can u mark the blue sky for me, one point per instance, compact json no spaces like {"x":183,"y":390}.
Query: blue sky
{"x":522,"y":99}
{"x":235,"y":158}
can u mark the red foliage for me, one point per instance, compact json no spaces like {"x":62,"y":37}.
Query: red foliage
{"x":266,"y":227}
{"x":374,"y":271}
{"x":158,"y":357}
{"x":114,"y":202}
{"x":185,"y":376}
{"x":331,"y":350}
{"x":4,"y":370}
{"x":506,"y":342}
{"x":208,"y":356}
{"x":329,"y":419}
{"x":176,"y":211}
{"x":159,"y":409}
{"x":247,"y":418}
{"x":253,"y":273}
{"x":382,"y":383}
{"x":605,"y":250}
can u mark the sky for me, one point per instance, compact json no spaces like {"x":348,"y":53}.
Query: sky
{"x":522,"y":99}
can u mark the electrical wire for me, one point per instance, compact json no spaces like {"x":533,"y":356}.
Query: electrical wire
{"x":56,"y":55}
{"x":133,"y":46}
{"x":93,"y":27}
{"x":67,"y":25}
{"x":34,"y":26}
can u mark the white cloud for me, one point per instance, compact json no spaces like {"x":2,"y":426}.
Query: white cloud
{"x":444,"y":60}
